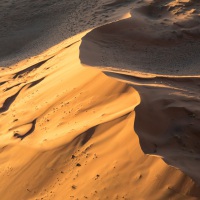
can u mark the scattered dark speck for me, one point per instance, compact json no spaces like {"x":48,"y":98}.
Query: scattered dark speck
{"x":74,"y":187}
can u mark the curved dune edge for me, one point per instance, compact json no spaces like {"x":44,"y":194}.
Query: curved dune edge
{"x":169,"y":96}
{"x":29,"y":28}
{"x":67,"y":133}
{"x":160,"y":39}
{"x":64,"y":128}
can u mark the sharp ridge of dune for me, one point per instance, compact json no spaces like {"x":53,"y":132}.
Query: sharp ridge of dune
{"x":162,"y":65}
{"x":69,"y":131}
{"x":42,"y":31}
{"x":148,"y":46}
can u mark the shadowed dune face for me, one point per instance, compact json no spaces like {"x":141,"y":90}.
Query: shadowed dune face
{"x":62,"y":139}
{"x":154,"y":51}
{"x":66,"y":130}
{"x":44,"y":24}
{"x":163,"y":43}
{"x":170,"y":126}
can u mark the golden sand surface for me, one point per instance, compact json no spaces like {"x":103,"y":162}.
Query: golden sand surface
{"x":99,"y":100}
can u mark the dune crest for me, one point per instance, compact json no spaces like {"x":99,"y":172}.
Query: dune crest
{"x":156,"y":52}
{"x":161,"y":39}
{"x":68,"y":131}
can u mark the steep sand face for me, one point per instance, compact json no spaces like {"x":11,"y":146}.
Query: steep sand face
{"x":170,"y":127}
{"x":30,"y":27}
{"x":161,"y":38}
{"x":67,"y":130}
{"x":156,"y":51}
{"x":67,"y":133}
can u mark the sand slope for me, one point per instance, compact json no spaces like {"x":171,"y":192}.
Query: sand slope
{"x":156,"y":51}
{"x":161,"y":38}
{"x":44,"y":24}
{"x":67,"y":133}
{"x":67,"y":129}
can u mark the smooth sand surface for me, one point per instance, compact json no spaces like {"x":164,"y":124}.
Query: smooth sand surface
{"x":69,"y":131}
{"x":156,"y":51}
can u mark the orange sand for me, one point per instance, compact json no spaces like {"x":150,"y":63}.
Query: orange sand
{"x":68,"y":131}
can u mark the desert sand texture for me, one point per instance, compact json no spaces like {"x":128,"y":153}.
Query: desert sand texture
{"x":99,"y":100}
{"x":156,"y":51}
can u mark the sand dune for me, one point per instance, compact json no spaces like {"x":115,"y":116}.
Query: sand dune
{"x":156,"y":40}
{"x":68,"y":131}
{"x":44,"y":24}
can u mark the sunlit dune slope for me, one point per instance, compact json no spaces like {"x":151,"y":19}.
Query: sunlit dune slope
{"x":68,"y":131}
{"x":156,"y":51}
